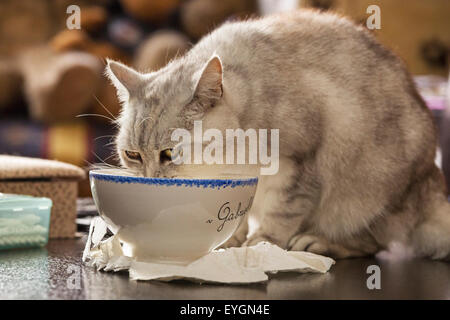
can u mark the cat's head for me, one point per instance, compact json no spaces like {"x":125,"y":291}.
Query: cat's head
{"x":155,"y":104}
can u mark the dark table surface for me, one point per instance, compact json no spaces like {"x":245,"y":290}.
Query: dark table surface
{"x":56,"y":272}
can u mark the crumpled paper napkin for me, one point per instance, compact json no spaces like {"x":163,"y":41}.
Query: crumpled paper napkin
{"x":232,"y":266}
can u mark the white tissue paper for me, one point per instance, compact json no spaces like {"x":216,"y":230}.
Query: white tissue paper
{"x":232,"y":266}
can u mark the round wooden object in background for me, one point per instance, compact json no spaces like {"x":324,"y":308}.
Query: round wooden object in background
{"x":67,"y":40}
{"x":198,"y":17}
{"x":93,"y":18}
{"x":155,"y":11}
{"x":161,"y":47}
{"x":59,"y":87}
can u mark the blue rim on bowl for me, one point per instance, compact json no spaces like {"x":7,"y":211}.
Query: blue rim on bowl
{"x":187,"y":182}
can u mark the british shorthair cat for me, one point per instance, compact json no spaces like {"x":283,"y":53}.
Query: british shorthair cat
{"x":357,"y":143}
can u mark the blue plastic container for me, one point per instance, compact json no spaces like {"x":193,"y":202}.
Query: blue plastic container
{"x":24,"y":221}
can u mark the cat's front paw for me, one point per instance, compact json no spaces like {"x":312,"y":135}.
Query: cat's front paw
{"x":309,"y":243}
{"x":318,"y":245}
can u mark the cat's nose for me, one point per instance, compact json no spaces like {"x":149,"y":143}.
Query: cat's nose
{"x":157,"y":174}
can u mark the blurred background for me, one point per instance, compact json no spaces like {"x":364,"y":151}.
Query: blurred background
{"x":55,"y":102}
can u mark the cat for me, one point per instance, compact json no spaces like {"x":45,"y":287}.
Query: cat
{"x":357,"y":143}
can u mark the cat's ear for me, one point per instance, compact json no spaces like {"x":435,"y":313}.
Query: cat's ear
{"x":125,"y":79}
{"x":209,"y":87}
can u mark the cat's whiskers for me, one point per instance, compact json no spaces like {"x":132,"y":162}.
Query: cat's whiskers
{"x":109,"y":144}
{"x":103,"y":161}
{"x":106,"y":109}
{"x":105,"y":136}
{"x":93,"y":166}
{"x":109,"y":157}
{"x":94,"y":115}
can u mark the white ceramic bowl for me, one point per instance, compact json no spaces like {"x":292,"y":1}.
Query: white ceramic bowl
{"x":171,"y":220}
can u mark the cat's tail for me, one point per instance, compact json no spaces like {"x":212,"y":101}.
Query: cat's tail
{"x":431,"y":237}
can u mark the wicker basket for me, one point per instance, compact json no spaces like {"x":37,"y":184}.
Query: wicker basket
{"x":45,"y":178}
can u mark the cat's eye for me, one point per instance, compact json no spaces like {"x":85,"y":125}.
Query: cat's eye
{"x":165,"y":155}
{"x":133,"y":156}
